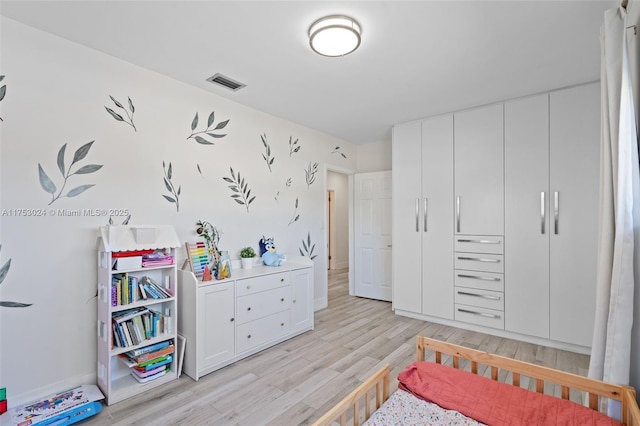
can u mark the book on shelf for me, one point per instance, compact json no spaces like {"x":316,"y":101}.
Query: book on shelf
{"x":157,"y":290}
{"x":150,"y":372}
{"x":149,"y":378}
{"x":142,"y":360}
{"x":147,"y":349}
{"x":150,"y":365}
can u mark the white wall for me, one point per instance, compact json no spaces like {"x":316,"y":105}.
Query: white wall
{"x":374,"y":157}
{"x":339,"y":183}
{"x":56,"y":94}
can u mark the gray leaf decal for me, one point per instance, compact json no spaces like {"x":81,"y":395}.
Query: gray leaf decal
{"x":14,"y":304}
{"x":131,"y":106}
{"x":3,"y":91}
{"x":118,"y":104}
{"x":110,"y":221}
{"x":213,"y":135}
{"x":203,"y":141}
{"x":167,"y":185}
{"x":220,"y":125}
{"x":89,"y":168}
{"x":114,"y":114}
{"x":169,"y":171}
{"x":169,"y":198}
{"x":82,"y":152}
{"x":5,"y":270}
{"x":126,"y":221}
{"x":301,"y":253}
{"x":61,"y":159}
{"x":211,"y":119}
{"x":194,"y":123}
{"x":238,"y":201}
{"x":78,"y":190}
{"x":46,"y":183}
{"x":1,"y":77}
{"x":199,"y":171}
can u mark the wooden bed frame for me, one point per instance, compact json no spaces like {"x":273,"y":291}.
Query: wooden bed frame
{"x":371,"y":394}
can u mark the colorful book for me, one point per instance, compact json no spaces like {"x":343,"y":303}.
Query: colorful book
{"x":163,"y":360}
{"x":142,"y":374}
{"x":149,"y":378}
{"x":150,"y":348}
{"x":155,"y":354}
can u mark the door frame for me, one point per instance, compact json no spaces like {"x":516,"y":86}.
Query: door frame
{"x":349,"y":173}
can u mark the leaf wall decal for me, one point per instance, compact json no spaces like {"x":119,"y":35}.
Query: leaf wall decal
{"x":119,"y":117}
{"x":60,"y":159}
{"x":240,"y":188}
{"x":89,"y":168}
{"x":208,"y":131}
{"x":4,"y":270}
{"x":168,"y":174}
{"x":194,"y":123}
{"x":114,"y":114}
{"x":46,"y":183}
{"x":14,"y":304}
{"x":78,"y":190}
{"x":81,"y":152}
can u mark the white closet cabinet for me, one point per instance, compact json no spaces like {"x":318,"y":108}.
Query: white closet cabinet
{"x":551,"y":213}
{"x":527,"y":229}
{"x":479,"y":171}
{"x":574,"y":129}
{"x":423,"y":216}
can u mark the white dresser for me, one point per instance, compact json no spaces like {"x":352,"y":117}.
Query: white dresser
{"x":227,"y":320}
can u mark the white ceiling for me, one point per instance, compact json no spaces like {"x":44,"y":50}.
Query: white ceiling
{"x":417,"y":58}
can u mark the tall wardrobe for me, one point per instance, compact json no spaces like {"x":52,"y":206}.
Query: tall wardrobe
{"x":495,"y":217}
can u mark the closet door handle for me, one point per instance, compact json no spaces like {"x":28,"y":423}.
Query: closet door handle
{"x":482,"y":296}
{"x":458,"y":213}
{"x":475,"y":277}
{"x":556,"y":211}
{"x":482,"y":314}
{"x":542,"y":212}
{"x":426,"y":203}
{"x":417,"y":214}
{"x":479,"y":259}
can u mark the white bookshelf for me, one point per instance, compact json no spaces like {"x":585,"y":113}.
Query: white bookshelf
{"x":113,"y":376}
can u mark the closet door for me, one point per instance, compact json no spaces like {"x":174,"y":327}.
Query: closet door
{"x":479,"y":173}
{"x":574,"y":171}
{"x":526,"y":233}
{"x":437,"y":218}
{"x":406,"y":212}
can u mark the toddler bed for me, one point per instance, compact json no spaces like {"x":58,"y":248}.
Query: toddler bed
{"x":430,"y":393}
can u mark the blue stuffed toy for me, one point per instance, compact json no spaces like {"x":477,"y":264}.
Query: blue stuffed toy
{"x":270,"y":257}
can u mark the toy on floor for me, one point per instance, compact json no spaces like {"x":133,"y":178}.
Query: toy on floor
{"x":270,"y":257}
{"x":60,"y":409}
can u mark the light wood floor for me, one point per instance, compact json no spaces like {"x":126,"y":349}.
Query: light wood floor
{"x":295,"y":382}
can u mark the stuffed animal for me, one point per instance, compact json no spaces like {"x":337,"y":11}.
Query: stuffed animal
{"x":270,"y":256}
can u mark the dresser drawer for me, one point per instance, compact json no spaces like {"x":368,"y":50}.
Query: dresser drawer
{"x":480,"y":262}
{"x":480,"y":298}
{"x":261,"y":283}
{"x":479,"y":279}
{"x":479,"y":316}
{"x":262,"y":304}
{"x":479,"y":244}
{"x":256,"y":333}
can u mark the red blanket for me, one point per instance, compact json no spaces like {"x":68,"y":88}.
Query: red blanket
{"x":492,"y":402}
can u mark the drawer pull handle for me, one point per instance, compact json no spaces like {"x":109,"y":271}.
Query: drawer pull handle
{"x":482,"y":314}
{"x":232,"y":319}
{"x":281,"y":324}
{"x":282,"y":300}
{"x":249,"y":337}
{"x":479,"y":259}
{"x":294,"y":300}
{"x":281,"y":280}
{"x":248,"y":287}
{"x":249,"y":308}
{"x":475,"y":277}
{"x":480,"y":241}
{"x":482,"y":296}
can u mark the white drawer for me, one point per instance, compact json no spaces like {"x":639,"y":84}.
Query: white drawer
{"x":479,"y":279}
{"x":479,"y":244}
{"x":258,"y":305}
{"x":480,"y":298}
{"x":480,"y":262}
{"x":256,"y":333}
{"x":261,"y":283}
{"x":479,"y":316}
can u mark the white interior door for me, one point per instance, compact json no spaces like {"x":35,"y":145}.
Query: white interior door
{"x":372,"y":196}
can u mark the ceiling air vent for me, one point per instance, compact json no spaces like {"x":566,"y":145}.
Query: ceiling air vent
{"x":226,"y":82}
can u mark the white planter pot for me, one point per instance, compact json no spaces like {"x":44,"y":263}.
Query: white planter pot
{"x":247,"y":262}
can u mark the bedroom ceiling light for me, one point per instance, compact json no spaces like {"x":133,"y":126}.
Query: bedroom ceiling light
{"x":335,"y":35}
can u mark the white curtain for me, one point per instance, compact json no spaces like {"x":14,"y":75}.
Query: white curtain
{"x":619,"y":202}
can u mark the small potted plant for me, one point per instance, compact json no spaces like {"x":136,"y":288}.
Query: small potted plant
{"x":246,"y":257}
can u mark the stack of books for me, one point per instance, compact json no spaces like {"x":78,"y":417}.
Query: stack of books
{"x":151,"y":362}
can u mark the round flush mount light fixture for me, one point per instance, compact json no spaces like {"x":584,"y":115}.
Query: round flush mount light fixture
{"x":335,"y":35}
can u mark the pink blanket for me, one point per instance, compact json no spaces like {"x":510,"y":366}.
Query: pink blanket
{"x":492,"y":402}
